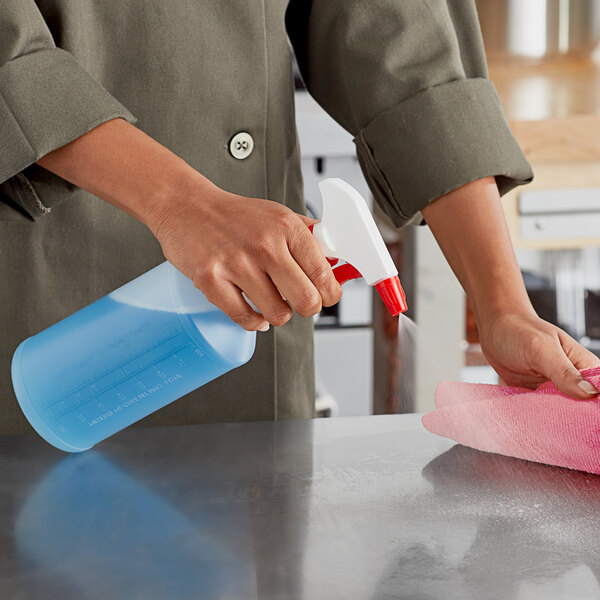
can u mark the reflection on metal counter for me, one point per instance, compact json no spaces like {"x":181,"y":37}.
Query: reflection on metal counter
{"x":351,"y":508}
{"x":101,"y":532}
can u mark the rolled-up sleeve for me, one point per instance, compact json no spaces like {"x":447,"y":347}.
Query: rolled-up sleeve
{"x":46,"y":99}
{"x":408,"y":79}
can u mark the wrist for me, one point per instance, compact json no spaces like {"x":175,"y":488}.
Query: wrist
{"x":176,"y":193}
{"x":501,"y":304}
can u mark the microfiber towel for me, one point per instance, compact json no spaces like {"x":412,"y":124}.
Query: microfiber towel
{"x":541,"y":425}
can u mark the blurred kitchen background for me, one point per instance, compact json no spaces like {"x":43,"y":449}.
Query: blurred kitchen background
{"x":545,"y":62}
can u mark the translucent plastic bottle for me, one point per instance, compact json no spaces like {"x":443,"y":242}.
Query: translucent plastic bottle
{"x":157,"y":338}
{"x":123,"y":357}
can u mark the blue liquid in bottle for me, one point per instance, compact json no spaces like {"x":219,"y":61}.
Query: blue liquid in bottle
{"x":123,"y":357}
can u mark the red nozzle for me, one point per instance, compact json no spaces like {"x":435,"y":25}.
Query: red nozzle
{"x":392,"y":294}
{"x":390,"y":289}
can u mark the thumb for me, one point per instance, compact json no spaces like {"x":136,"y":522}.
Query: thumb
{"x":561,"y":361}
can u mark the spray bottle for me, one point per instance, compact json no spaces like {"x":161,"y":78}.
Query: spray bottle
{"x":157,"y":338}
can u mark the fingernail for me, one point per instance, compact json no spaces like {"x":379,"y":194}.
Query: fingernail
{"x":587,"y":387}
{"x":265,"y":327}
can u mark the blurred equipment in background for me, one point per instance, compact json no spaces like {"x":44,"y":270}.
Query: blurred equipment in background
{"x":539,"y":29}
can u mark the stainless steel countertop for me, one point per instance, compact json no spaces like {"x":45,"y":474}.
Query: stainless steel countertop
{"x":352,"y":508}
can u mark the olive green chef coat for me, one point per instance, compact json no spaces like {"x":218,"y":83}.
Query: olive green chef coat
{"x":406,"y":77}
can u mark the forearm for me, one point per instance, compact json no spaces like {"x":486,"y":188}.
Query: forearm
{"x":470,"y":228}
{"x":122,"y":165}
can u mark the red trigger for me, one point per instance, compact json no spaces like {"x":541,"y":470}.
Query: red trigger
{"x":346,"y":272}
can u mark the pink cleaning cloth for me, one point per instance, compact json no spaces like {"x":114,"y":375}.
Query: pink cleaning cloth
{"x":544,"y":425}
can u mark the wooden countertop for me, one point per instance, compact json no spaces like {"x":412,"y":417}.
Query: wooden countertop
{"x":559,"y":89}
{"x":553,"y":108}
{"x":554,"y":112}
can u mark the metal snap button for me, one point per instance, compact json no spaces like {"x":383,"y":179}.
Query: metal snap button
{"x":241,"y":145}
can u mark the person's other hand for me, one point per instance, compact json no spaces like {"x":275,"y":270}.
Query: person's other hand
{"x":228,"y":244}
{"x":525,"y":351}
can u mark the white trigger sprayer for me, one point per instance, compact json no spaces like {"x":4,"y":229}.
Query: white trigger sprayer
{"x":348,"y":232}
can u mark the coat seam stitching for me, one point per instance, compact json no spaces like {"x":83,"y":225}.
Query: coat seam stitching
{"x":23,"y":201}
{"x":30,"y":191}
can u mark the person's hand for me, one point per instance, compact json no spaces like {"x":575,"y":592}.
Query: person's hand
{"x":470,"y":227}
{"x":525,"y":351}
{"x":228,"y":244}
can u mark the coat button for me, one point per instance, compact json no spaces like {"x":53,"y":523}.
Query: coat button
{"x":241,"y":145}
